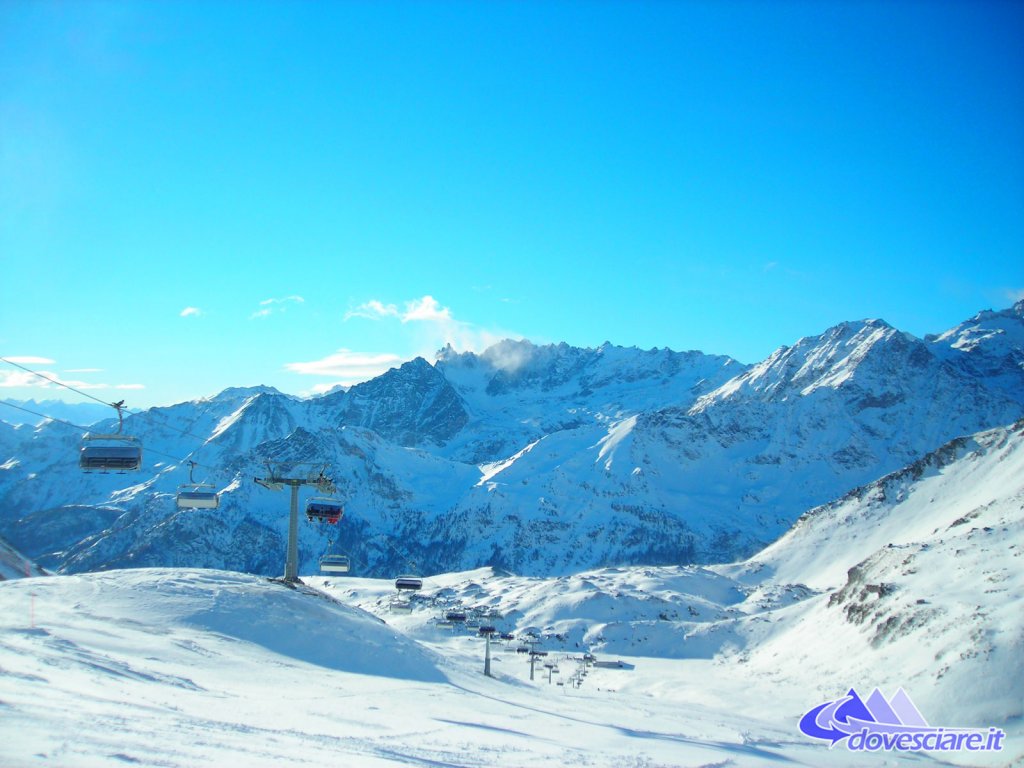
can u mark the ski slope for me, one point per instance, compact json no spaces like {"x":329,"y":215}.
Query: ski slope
{"x":169,"y":667}
{"x":189,"y":668}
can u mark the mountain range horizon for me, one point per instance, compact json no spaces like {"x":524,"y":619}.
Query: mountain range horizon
{"x":536,"y":459}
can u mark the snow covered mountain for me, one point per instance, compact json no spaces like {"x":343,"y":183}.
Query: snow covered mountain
{"x":536,"y":459}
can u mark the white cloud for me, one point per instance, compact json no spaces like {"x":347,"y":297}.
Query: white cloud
{"x":191,"y":312}
{"x":30,"y":360}
{"x":285,"y":300}
{"x":372,"y":310}
{"x":83,"y":384}
{"x":426,"y":310}
{"x":1015,"y":295}
{"x":346,"y":366}
{"x":272,"y":305}
{"x":9,"y":379}
{"x":24,"y":379}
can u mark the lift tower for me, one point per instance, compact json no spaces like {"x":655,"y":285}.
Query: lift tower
{"x":295,"y":474}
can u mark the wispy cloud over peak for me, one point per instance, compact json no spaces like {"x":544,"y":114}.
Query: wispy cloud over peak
{"x":426,"y":309}
{"x":435,"y":325}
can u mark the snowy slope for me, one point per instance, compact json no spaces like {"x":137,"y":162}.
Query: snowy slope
{"x":192,"y":668}
{"x":922,"y":581}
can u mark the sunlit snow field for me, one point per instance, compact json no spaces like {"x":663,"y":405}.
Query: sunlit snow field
{"x":188,"y":667}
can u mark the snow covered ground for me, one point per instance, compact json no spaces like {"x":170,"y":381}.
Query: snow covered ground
{"x":186,"y":668}
{"x":171,"y":667}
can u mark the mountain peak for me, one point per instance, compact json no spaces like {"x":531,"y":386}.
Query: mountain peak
{"x":408,"y":404}
{"x":990,"y":345}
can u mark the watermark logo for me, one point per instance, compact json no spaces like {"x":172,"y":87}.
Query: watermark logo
{"x":892,"y":725}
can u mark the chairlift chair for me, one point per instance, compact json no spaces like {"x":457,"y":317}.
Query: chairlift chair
{"x":334,"y":564}
{"x":325,"y":510}
{"x":408,"y":583}
{"x":103,"y":453}
{"x":400,"y":606}
{"x":195,"y":495}
{"x":121,"y":453}
{"x":198,"y":496}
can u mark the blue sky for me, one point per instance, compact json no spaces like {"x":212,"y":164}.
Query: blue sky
{"x":202,"y":195}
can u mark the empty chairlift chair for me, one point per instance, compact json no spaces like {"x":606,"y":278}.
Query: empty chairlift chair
{"x":408,"y":583}
{"x":195,"y":495}
{"x":105,"y":453}
{"x":198,"y":496}
{"x":398,"y":605}
{"x":334,"y":564}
